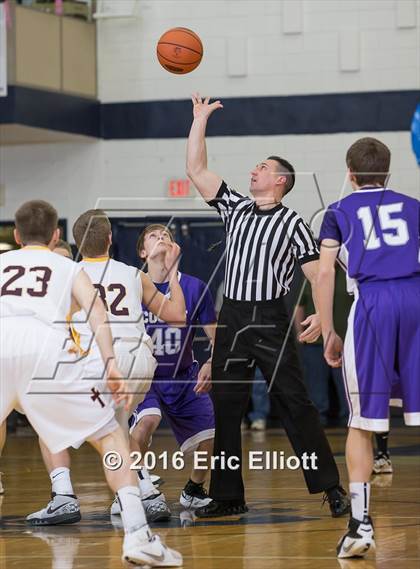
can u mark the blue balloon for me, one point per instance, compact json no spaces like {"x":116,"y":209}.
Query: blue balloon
{"x":415,"y":133}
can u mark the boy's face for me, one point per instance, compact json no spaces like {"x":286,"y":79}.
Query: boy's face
{"x":156,"y":243}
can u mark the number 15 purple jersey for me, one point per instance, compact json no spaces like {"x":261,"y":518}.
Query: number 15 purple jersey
{"x":378,"y":230}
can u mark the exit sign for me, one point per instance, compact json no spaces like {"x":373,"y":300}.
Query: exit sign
{"x":179,"y":188}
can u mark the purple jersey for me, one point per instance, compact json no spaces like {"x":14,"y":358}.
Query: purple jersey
{"x":378,"y":230}
{"x":173,"y":346}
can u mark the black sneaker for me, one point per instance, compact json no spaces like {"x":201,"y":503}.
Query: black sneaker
{"x":217,"y":509}
{"x":194,"y":496}
{"x":338,"y":500}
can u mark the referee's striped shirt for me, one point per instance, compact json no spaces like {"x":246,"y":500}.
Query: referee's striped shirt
{"x":262,"y":246}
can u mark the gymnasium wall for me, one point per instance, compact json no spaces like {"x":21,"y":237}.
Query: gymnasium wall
{"x":75,"y":176}
{"x":264,"y":47}
{"x":252,"y":49}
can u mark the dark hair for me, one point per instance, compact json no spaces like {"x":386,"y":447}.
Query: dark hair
{"x":36,"y":221}
{"x":61,"y":244}
{"x":91,"y":233}
{"x":368,"y":159}
{"x":287,"y":168}
{"x":148,"y":229}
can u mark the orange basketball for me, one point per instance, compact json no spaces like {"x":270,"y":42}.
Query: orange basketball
{"x":179,"y":50}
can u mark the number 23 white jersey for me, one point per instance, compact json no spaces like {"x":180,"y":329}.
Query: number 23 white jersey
{"x":36,"y":282}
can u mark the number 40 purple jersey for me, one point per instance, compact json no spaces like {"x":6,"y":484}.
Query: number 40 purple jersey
{"x":378,"y":230}
{"x":173,"y":346}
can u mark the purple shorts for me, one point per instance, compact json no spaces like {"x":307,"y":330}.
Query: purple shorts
{"x":190,"y":416}
{"x":381,"y":353}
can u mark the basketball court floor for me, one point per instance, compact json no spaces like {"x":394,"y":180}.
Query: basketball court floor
{"x":284,"y":528}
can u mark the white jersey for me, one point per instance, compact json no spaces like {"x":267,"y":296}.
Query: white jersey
{"x":36,"y":282}
{"x":120,"y":288}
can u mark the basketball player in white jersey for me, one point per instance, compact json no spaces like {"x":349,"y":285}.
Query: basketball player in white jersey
{"x":122,"y":288}
{"x":64,"y":249}
{"x":38,"y":289}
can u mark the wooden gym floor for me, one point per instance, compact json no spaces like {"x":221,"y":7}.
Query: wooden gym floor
{"x":285,"y":527}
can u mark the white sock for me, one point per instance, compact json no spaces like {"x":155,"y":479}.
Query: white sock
{"x":360,"y":495}
{"x":60,"y":480}
{"x":147,"y":488}
{"x":132,"y":511}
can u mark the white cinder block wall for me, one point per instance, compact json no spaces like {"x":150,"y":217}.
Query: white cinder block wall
{"x":292,"y":47}
{"x":80,"y":176}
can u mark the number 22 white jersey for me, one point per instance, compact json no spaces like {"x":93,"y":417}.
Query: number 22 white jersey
{"x":120,"y":288}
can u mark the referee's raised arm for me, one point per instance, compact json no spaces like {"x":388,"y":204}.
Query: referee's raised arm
{"x":206,"y":182}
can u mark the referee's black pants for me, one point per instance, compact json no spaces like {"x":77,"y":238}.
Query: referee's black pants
{"x":253,"y":334}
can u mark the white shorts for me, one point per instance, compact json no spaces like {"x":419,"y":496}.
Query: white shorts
{"x":137,"y":364}
{"x":38,"y":376}
{"x":135,"y":361}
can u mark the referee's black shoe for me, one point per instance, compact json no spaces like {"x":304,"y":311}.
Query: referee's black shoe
{"x":216,"y":509}
{"x":338,"y":500}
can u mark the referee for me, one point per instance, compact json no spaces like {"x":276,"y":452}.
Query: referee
{"x":264,"y":241}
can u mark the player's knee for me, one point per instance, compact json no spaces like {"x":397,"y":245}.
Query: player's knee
{"x":145,"y":428}
{"x":206,"y":446}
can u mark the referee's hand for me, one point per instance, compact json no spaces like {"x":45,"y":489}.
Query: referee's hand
{"x":313,"y":330}
{"x":203,"y":108}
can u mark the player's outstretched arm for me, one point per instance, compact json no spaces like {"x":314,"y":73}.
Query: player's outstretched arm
{"x":206,"y":182}
{"x":172,"y":310}
{"x":333,"y":344}
{"x":86,"y":297}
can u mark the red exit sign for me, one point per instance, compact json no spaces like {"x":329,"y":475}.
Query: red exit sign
{"x":179,"y":188}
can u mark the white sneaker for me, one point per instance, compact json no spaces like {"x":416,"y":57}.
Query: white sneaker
{"x":194,"y":496}
{"x":115,"y":507}
{"x":382,"y":464}
{"x":156,"y":480}
{"x":191,"y":502}
{"x":1,"y":485}
{"x":155,"y":508}
{"x":142,"y":550}
{"x":258,"y":425}
{"x":62,"y":509}
{"x":358,"y":540}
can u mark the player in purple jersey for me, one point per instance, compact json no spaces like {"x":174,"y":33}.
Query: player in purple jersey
{"x":179,"y":388}
{"x":376,"y":232}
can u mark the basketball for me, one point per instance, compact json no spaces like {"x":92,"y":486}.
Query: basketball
{"x":179,"y":50}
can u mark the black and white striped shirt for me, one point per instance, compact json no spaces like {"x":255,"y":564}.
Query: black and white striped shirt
{"x":262,"y":246}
